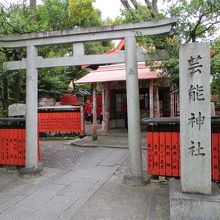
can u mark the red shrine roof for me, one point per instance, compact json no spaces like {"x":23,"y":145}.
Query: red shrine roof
{"x":117,"y":72}
{"x":113,"y":51}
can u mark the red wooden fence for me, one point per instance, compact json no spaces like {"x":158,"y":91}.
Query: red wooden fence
{"x":59,"y":122}
{"x":163,"y":153}
{"x":12,"y":140}
{"x":12,"y":146}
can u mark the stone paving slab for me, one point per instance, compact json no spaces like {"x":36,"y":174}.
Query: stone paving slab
{"x":71,"y":211}
{"x":77,"y":188}
{"x":52,"y":209}
{"x":113,"y":158}
{"x":61,"y":196}
{"x":118,"y":201}
{"x":41,"y":196}
{"x":16,"y":212}
{"x":11,"y":202}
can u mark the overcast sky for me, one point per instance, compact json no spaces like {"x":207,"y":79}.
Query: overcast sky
{"x":109,"y":8}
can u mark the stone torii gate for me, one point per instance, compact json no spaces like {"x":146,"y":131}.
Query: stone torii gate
{"x":78,"y":37}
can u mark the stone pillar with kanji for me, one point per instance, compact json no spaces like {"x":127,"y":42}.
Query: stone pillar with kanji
{"x":195,"y":118}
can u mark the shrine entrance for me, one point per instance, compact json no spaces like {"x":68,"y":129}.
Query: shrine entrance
{"x":31,"y":42}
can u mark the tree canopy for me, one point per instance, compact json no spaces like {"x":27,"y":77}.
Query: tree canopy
{"x":198,"y":20}
{"x":51,"y":15}
{"x":215,"y":66}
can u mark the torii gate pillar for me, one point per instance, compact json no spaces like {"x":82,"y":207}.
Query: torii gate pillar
{"x":133,"y":106}
{"x":31,"y":157}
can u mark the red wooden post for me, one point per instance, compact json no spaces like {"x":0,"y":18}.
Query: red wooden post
{"x":106,"y":114}
{"x":156,"y":103}
{"x":94,"y":131}
{"x":82,"y":121}
{"x":215,"y":156}
{"x":172,"y":114}
{"x":151,"y":99}
{"x":156,"y":153}
{"x":168,"y":158}
{"x":162,"y":151}
{"x":175,"y":154}
{"x":150,"y":152}
{"x":103,"y":106}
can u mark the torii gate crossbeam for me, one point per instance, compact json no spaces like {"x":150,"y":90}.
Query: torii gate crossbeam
{"x":77,"y":37}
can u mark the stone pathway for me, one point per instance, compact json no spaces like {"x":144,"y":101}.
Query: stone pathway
{"x":62,"y":195}
{"x":118,"y":201}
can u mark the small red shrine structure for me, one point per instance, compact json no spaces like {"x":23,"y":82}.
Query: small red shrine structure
{"x":155,"y":92}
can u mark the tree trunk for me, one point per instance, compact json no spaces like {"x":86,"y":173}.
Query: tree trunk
{"x":5,"y":94}
{"x":151,"y":5}
{"x":16,"y":87}
{"x":126,"y":4}
{"x":4,"y":86}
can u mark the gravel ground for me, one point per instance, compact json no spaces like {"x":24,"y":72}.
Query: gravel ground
{"x":60,"y":154}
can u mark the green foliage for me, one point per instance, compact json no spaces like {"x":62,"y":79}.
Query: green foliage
{"x":81,"y":11}
{"x":16,"y":19}
{"x":215,"y":52}
{"x":98,"y":47}
{"x":12,"y":85}
{"x":64,"y":14}
{"x":197,"y":19}
{"x":140,"y":14}
{"x":130,"y":15}
{"x":54,"y":14}
{"x":51,"y":15}
{"x":215,"y":67}
{"x":53,"y":80}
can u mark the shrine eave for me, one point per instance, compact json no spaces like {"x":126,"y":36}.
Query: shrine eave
{"x":111,"y":73}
